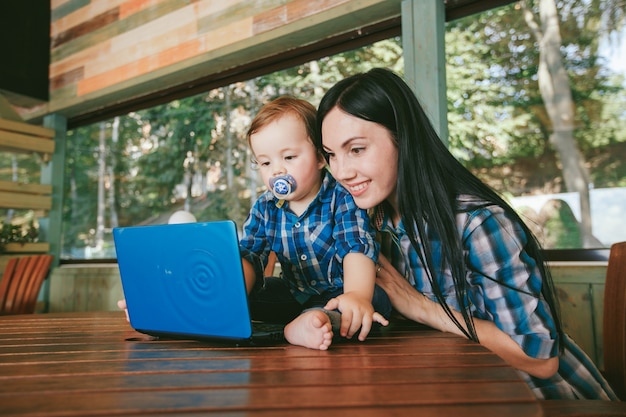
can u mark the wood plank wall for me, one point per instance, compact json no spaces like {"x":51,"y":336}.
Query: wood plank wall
{"x":18,"y":137}
{"x":107,"y":50}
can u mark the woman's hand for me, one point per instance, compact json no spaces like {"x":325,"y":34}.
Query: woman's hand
{"x":417,"y":307}
{"x":405,"y":299}
{"x":409,"y":302}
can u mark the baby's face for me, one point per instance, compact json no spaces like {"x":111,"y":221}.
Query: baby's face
{"x":283,"y":148}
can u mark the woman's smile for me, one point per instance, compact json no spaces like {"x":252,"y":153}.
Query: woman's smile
{"x":357,"y":189}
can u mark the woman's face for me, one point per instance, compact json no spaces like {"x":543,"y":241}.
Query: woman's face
{"x":363,"y":157}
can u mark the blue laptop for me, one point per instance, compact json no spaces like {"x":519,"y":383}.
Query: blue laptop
{"x":186,"y":281}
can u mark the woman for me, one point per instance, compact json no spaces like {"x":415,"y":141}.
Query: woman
{"x":458,"y":257}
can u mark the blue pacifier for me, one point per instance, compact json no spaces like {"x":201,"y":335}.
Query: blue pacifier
{"x":282,"y":186}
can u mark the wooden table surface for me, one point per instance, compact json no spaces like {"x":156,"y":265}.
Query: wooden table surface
{"x":88,"y":364}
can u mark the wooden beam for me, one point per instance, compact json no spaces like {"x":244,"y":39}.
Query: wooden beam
{"x":26,"y":128}
{"x":30,"y":247}
{"x":131,"y":74}
{"x":423,"y":43}
{"x":7,"y":111}
{"x":17,"y":142}
{"x":24,"y":201}
{"x":50,"y":226}
{"x":24,"y":188}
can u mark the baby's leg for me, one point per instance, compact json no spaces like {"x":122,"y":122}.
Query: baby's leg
{"x":311,"y":329}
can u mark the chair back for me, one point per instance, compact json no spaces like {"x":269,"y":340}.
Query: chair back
{"x":21,"y":282}
{"x":614,"y":320}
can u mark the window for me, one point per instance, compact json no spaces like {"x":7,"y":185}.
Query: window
{"x":191,"y":154}
{"x":187,"y":154}
{"x":558,"y":158}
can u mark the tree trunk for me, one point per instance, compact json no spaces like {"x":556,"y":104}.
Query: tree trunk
{"x":99,"y":238}
{"x":554,"y":86}
{"x":229,"y":140}
{"x":115,"y":133}
{"x":252,"y":173}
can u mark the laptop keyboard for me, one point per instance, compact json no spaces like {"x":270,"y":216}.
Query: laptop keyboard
{"x":271,"y":330}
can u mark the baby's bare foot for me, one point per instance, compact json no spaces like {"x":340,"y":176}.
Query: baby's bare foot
{"x":311,"y":329}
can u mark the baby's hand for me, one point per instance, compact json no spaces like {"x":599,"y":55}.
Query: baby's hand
{"x":356,"y":313}
{"x":121,"y":304}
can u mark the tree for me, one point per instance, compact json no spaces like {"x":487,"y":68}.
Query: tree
{"x":521,"y":57}
{"x":554,"y":86}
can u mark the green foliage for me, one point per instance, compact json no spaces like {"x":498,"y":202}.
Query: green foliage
{"x":13,"y":233}
{"x":496,"y":114}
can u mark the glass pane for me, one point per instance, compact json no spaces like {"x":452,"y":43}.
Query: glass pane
{"x":189,"y":154}
{"x":545,"y":126}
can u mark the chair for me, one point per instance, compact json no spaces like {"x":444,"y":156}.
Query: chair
{"x":614,"y":320}
{"x":21,"y":282}
{"x":614,"y":341}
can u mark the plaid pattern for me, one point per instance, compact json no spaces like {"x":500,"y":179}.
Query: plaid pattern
{"x":577,"y":378}
{"x":310,"y":247}
{"x":504,"y":286}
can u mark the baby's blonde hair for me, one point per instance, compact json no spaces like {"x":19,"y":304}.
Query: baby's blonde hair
{"x":278,"y":108}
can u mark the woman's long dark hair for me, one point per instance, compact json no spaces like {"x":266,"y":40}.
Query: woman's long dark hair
{"x":430,"y":180}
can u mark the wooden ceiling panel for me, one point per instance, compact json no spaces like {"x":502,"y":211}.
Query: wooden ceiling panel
{"x":136,"y":54}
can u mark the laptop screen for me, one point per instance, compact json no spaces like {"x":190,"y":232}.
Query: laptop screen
{"x":184,"y":280}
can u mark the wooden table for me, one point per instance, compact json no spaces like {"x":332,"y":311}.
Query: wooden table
{"x":84,"y":364}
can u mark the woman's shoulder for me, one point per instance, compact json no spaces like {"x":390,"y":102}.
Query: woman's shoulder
{"x":476,"y":214}
{"x":472,"y":210}
{"x":473,"y":205}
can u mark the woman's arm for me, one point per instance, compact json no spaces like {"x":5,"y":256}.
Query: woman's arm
{"x":417,"y":307}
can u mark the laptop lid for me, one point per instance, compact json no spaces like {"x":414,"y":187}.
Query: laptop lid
{"x":184,"y":280}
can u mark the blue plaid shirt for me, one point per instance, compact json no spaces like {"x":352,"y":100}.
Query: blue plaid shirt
{"x":310,"y":247}
{"x":504,"y":287}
